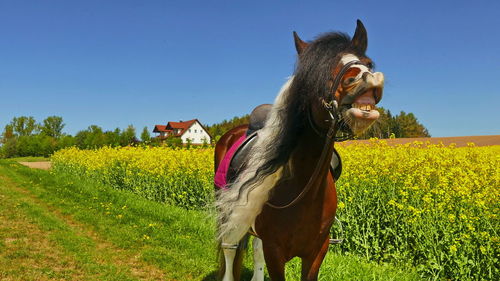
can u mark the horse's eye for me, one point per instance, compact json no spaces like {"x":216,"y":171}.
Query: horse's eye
{"x":349,"y":80}
{"x":369,"y":65}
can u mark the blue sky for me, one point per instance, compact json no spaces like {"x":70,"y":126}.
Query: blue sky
{"x":115,"y":63}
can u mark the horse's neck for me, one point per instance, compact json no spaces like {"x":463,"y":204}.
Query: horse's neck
{"x":300,"y":170}
{"x":306,"y":158}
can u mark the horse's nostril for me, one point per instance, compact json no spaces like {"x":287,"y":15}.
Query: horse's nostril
{"x":365,"y":75}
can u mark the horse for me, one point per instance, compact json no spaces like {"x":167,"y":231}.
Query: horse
{"x":284,"y":192}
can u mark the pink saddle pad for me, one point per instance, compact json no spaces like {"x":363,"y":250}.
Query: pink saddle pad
{"x":221,"y":174}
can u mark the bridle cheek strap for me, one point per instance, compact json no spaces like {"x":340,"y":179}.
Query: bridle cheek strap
{"x":333,"y":108}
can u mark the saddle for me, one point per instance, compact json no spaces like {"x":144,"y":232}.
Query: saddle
{"x":235,"y":158}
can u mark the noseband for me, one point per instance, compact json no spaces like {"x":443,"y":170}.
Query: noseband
{"x":339,"y":130}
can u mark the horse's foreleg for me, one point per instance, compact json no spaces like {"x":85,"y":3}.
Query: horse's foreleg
{"x":275,"y":262}
{"x":311,"y":265}
{"x":229,"y":255}
{"x":233,"y":259}
{"x":258,"y":260}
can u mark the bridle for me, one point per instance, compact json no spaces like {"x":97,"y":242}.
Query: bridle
{"x":338,"y":130}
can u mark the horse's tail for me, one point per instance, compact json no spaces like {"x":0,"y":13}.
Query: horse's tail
{"x":238,"y":259}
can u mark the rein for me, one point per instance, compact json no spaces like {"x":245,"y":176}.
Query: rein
{"x":328,"y":143}
{"x":330,"y":136}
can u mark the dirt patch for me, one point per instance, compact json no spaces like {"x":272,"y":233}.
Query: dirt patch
{"x":44,"y":165}
{"x":459,"y":141}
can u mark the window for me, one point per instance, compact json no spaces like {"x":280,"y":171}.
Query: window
{"x":195,"y":131}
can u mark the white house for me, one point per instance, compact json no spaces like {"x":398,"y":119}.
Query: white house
{"x":192,"y":130}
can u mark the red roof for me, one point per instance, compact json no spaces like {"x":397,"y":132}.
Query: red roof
{"x":182,"y":126}
{"x":160,"y":128}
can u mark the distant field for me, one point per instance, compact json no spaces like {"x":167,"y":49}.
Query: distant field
{"x":459,"y":141}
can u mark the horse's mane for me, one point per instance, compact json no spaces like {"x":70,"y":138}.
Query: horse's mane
{"x":243,"y":201}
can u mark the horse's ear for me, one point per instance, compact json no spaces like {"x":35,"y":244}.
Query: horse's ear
{"x":299,"y":44}
{"x":360,"y":38}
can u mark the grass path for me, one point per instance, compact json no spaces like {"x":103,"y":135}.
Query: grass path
{"x":41,"y":243}
{"x":58,"y":228}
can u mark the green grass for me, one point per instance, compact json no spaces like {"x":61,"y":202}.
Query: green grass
{"x":99,"y":233}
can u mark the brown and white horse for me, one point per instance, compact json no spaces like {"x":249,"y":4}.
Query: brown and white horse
{"x":285,"y":194}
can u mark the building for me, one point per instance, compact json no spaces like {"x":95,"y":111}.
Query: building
{"x":188,"y":130}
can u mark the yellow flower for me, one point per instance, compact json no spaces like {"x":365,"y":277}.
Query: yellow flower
{"x":483,"y":250}
{"x":453,"y":249}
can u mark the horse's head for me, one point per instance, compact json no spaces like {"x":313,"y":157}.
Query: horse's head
{"x":346,"y":84}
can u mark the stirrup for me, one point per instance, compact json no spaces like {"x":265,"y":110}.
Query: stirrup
{"x":229,"y":246}
{"x":337,"y":241}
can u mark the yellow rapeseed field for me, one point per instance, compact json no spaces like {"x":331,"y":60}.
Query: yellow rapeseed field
{"x":431,"y":206}
{"x":183,"y":177}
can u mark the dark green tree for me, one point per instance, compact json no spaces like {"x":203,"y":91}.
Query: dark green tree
{"x":92,"y":137}
{"x":401,"y":126}
{"x":65,"y":141}
{"x":112,"y":138}
{"x":219,"y":129}
{"x":9,"y":148}
{"x":409,"y":127}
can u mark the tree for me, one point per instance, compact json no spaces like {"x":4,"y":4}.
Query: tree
{"x":52,"y":126}
{"x":409,"y":127}
{"x":380,"y":129}
{"x":24,"y":126}
{"x":219,"y":129}
{"x":93,"y":137}
{"x":35,"y":145}
{"x":145,"y":136}
{"x":9,"y":148}
{"x":112,"y":138}
{"x":65,"y":141}
{"x":24,"y":137}
{"x":8,"y":133}
{"x":127,"y":137}
{"x":400,"y":126}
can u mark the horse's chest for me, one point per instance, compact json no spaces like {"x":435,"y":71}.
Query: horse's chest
{"x":302,"y":224}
